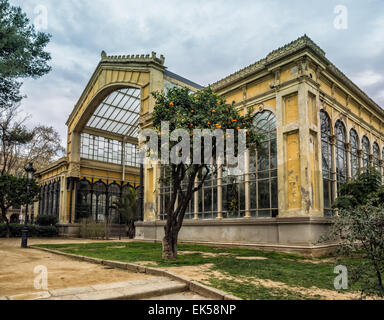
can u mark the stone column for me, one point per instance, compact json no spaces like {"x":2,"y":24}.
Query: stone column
{"x":247,"y":186}
{"x":219,"y":193}
{"x":196,"y":201}
{"x":334,"y":175}
{"x":298,"y":138}
{"x":348,"y":149}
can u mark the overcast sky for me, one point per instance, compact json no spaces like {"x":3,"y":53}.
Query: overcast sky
{"x":203,"y":41}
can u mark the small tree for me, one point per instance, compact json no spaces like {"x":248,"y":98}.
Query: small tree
{"x":202,"y":110}
{"x":13,"y":193}
{"x":127,"y":208}
{"x":359,"y":230}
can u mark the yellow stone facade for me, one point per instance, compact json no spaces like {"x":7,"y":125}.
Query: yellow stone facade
{"x":297,"y":83}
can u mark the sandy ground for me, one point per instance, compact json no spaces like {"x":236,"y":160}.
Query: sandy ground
{"x":17,"y":268}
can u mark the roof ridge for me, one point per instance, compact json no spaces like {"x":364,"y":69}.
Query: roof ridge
{"x":294,"y":45}
{"x":133,"y":57}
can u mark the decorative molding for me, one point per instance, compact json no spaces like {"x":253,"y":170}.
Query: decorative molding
{"x":294,"y":46}
{"x":133,"y":58}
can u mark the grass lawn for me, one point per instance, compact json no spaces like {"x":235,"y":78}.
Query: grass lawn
{"x":239,"y":277}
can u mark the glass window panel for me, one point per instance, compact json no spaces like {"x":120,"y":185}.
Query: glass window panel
{"x":263,"y":194}
{"x":326,"y":147}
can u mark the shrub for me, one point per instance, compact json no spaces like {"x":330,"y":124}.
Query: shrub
{"x":92,"y":230}
{"x":33,"y":231}
{"x":46,"y":220}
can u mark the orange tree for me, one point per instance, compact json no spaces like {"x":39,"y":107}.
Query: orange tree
{"x":182,"y":109}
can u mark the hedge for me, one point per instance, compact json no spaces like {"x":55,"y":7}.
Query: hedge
{"x":33,"y":231}
{"x":46,"y":220}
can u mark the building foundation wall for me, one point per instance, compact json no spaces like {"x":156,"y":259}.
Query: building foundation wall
{"x":283,"y":231}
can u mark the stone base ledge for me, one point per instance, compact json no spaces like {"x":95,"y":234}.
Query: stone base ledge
{"x":244,"y":221}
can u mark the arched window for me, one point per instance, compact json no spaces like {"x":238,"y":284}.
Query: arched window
{"x":83,"y":204}
{"x":166,"y":190}
{"x":56,"y":199}
{"x":233,"y":193}
{"x":326,"y":150}
{"x":207,"y":195}
{"x":376,"y":156}
{"x":263,"y":169}
{"x":382,"y":158}
{"x":366,"y":151}
{"x":354,"y":141}
{"x":341,"y":153}
{"x":99,"y":200}
{"x":114,"y":196}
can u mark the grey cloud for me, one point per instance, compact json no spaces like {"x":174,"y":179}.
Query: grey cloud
{"x":201,"y":40}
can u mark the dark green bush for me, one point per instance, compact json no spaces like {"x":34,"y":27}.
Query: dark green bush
{"x":33,"y":231}
{"x":46,"y":220}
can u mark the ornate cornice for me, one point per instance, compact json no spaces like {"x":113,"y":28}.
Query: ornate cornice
{"x":134,"y":58}
{"x":289,"y":49}
{"x":275,"y":55}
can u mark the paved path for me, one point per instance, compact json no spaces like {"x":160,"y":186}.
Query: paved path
{"x":149,"y":288}
{"x":69,"y":279}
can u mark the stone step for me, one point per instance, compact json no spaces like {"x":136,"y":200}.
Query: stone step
{"x":130,"y":290}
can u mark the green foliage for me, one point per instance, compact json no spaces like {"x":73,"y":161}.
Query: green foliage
{"x":21,"y":47}
{"x":89,"y":229}
{"x":366,"y":186}
{"x":21,"y":53}
{"x":127,"y":206}
{"x":13,"y":191}
{"x":201,"y":110}
{"x":46,"y":220}
{"x":33,"y":231}
{"x":9,"y":92}
{"x":359,"y":230}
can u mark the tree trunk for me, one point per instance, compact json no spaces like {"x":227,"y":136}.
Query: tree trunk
{"x":131,"y":233}
{"x":170,"y":243}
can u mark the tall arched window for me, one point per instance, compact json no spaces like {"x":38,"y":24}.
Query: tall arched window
{"x":99,"y":201}
{"x":263,"y":169}
{"x":341,"y":153}
{"x":326,"y":150}
{"x":382,"y":163}
{"x":83,"y":204}
{"x":114,"y":196}
{"x":376,"y":156}
{"x":354,"y":141}
{"x":366,"y":151}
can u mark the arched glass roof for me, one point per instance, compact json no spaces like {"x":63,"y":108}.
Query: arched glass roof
{"x":119,"y":113}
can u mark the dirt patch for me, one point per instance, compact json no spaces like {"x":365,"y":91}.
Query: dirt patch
{"x":206,"y":254}
{"x":146,"y":263}
{"x":198,"y":273}
{"x":317,"y":261}
{"x":117,"y":247}
{"x":17,"y":269}
{"x":251,"y":258}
